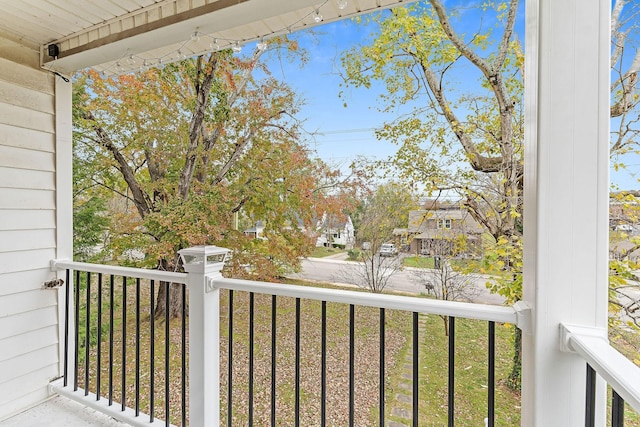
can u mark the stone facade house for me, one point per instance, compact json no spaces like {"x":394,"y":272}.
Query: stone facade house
{"x":443,"y":229}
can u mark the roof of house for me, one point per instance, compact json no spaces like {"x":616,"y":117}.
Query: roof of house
{"x":334,"y":222}
{"x":436,"y":204}
{"x":419,"y":219}
{"x":442,"y":234}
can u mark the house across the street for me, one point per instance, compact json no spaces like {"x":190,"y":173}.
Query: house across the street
{"x":335,"y":231}
{"x":443,"y":229}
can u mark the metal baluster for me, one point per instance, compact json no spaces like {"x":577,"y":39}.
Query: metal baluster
{"x":76,"y":331}
{"x":617,"y":410}
{"x":452,"y":352}
{"x":251,"y":319}
{"x":184,"y":355}
{"x":382,"y":367}
{"x":111,"y":298}
{"x":152,"y":354}
{"x":123,"y":404}
{"x":352,"y":335}
{"x":99,"y":352}
{"x":323,"y":366}
{"x":137,"y":409}
{"x":87,"y":333}
{"x":273,"y":360}
{"x":492,"y":375}
{"x":590,"y":403}
{"x":297,"y":367}
{"x":66,"y":327}
{"x":416,"y":366}
{"x":167,"y":338}
{"x":230,"y":364}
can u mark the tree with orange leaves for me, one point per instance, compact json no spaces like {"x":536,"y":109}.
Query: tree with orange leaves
{"x":189,"y":149}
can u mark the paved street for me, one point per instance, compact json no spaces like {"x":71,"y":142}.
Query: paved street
{"x":330,"y":269}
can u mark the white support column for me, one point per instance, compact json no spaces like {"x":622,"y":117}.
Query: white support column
{"x":566,"y":198}
{"x":64,"y":202}
{"x":203,"y":263}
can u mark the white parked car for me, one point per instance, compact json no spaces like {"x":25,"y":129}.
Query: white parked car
{"x":624,"y":227}
{"x":388,"y":249}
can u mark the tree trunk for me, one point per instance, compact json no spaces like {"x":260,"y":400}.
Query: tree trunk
{"x":515,"y":377}
{"x":445,"y":319}
{"x":174,"y":291}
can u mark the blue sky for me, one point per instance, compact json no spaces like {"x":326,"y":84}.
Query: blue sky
{"x":343,"y":133}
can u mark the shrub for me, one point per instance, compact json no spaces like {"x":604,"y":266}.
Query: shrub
{"x":353,"y":254}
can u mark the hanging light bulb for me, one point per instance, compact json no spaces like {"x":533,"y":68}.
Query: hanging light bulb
{"x":262,"y":45}
{"x":145,"y":66}
{"x":119,"y":67}
{"x":181,"y":55}
{"x":236,"y":47}
{"x":131,"y":61}
{"x":103,"y":74}
{"x":214,"y":45}
{"x":342,"y":4}
{"x":317,"y":17}
{"x":195,"y":37}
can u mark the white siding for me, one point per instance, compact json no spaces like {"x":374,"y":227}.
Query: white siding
{"x":28,"y":314}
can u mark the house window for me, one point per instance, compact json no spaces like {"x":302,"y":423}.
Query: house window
{"x":444,"y":223}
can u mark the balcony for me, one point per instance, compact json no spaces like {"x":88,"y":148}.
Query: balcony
{"x":228,"y":362}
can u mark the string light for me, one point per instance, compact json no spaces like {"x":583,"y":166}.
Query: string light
{"x":342,"y":4}
{"x":215,"y":44}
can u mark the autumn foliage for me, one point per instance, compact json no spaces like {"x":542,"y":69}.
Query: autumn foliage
{"x":196,"y":152}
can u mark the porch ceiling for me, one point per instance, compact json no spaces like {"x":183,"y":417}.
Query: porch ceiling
{"x":116,"y":36}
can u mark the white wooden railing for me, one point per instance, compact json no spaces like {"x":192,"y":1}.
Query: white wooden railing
{"x":592,"y":344}
{"x":204,"y":282}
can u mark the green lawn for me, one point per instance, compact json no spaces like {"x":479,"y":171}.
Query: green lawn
{"x":418,"y":262}
{"x":470,"y":374}
{"x":321,"y":252}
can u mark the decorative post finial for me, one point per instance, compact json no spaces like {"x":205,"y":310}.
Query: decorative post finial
{"x":204,"y":259}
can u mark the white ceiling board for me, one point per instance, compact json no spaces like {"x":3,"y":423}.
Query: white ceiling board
{"x":148,"y":36}
{"x":101,"y":33}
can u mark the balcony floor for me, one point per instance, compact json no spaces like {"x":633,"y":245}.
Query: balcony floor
{"x":60,"y":412}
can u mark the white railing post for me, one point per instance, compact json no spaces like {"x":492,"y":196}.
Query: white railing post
{"x":203,"y":263}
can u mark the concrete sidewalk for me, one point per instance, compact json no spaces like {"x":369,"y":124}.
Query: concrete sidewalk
{"x":342,"y":256}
